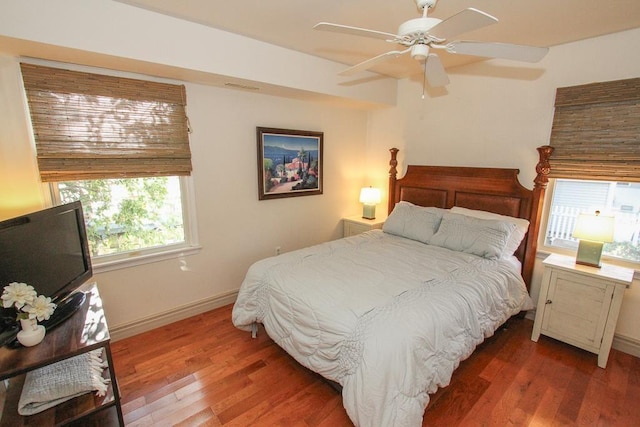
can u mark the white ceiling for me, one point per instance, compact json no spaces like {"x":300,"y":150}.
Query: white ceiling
{"x":289,"y":23}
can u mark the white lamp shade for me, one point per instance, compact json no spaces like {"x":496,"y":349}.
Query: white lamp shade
{"x":370,"y":196}
{"x":594,"y":227}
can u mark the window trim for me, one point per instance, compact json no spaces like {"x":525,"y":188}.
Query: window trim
{"x":544,"y":250}
{"x":168,"y":253}
{"x":136,"y":258}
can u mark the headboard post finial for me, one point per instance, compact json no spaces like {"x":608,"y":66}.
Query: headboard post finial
{"x":540,"y":185}
{"x":543,"y":168}
{"x":393,"y":174}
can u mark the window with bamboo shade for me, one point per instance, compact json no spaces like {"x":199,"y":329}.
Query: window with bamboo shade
{"x":121,"y":147}
{"x":94,"y":126}
{"x":596,"y":164}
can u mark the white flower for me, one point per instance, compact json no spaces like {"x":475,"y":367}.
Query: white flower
{"x":27,"y":302}
{"x":41,"y":308}
{"x":18,"y":295}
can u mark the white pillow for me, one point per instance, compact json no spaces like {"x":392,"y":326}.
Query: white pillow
{"x":413,"y":222}
{"x":522,"y":226}
{"x":481,"y":237}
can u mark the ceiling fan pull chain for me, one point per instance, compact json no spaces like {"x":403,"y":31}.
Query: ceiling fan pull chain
{"x":424,"y":78}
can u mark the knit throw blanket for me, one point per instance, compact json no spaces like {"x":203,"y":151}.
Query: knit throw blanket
{"x":56,"y":383}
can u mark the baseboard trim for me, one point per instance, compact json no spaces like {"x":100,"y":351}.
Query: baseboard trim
{"x":621,"y":343}
{"x":626,"y":345}
{"x":146,"y":324}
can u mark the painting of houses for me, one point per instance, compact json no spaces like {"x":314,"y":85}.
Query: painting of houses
{"x":290,"y":163}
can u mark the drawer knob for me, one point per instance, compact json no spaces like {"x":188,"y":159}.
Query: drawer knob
{"x":548,"y":301}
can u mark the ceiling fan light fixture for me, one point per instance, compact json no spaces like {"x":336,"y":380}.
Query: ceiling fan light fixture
{"x":420,"y":51}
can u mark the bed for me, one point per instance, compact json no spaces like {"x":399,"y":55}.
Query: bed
{"x":389,"y":314}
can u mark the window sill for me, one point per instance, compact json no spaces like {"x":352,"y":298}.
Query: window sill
{"x":140,"y":259}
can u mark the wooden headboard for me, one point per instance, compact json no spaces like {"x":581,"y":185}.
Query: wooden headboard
{"x":489,"y":189}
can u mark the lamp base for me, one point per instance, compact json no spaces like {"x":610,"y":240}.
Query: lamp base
{"x":589,"y":253}
{"x":369,"y":211}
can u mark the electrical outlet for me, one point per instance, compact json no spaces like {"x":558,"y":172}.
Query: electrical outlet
{"x":278,"y":249}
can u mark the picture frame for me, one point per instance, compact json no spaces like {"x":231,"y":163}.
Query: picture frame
{"x":290,"y":163}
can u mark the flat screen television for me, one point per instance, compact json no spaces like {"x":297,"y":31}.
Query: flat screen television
{"x":48,"y":250}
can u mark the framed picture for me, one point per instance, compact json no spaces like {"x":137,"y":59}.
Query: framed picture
{"x":289,"y":163}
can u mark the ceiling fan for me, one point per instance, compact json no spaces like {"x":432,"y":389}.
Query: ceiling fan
{"x":421,"y":36}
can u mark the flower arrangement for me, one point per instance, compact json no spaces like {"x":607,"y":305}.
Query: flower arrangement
{"x":27,"y":302}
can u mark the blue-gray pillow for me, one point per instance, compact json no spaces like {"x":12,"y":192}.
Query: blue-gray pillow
{"x":413,"y":222}
{"x":481,"y":237}
{"x":522,"y":226}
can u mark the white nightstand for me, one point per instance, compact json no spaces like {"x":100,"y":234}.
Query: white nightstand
{"x":579,"y":304}
{"x":353,"y":225}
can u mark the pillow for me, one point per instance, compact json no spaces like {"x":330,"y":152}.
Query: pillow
{"x":413,"y":222}
{"x":522,"y":226}
{"x":481,"y":237}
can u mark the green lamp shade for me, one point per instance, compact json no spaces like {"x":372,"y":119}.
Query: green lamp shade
{"x":592,"y":230}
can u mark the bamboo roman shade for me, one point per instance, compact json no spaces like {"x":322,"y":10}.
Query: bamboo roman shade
{"x":596,"y":132}
{"x":92,"y":126}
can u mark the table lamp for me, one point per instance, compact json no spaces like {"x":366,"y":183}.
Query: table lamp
{"x":593,"y":230}
{"x":369,"y":197}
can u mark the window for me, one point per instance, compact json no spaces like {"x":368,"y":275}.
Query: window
{"x":596,"y":163}
{"x":120,"y":146}
{"x":130,"y":215}
{"x":619,"y":199}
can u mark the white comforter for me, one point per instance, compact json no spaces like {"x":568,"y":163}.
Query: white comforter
{"x":386,"y":317}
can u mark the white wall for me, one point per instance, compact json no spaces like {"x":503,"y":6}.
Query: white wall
{"x":18,"y":191}
{"x":496,"y":113}
{"x":235,"y":228}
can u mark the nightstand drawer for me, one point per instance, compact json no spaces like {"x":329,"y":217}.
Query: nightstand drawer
{"x":356,"y":224}
{"x":351,"y":228}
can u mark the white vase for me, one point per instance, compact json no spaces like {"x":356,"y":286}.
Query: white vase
{"x":31,"y":333}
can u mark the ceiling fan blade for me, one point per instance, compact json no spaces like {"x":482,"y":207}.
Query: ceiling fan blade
{"x":365,"y":65}
{"x":435,"y":72}
{"x":346,"y":29}
{"x":468,"y":20}
{"x":499,"y":50}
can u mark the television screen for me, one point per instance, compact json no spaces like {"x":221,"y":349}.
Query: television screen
{"x":47,"y":249}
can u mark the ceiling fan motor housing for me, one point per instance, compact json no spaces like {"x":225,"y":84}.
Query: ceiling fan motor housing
{"x":417,"y":29}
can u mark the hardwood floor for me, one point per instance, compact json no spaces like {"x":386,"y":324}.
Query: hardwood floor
{"x":204,"y":371}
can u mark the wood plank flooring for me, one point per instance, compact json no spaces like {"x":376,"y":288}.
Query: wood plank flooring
{"x":203,"y":371}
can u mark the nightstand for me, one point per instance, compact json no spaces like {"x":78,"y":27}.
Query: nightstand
{"x":353,"y":225}
{"x":579,"y":304}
